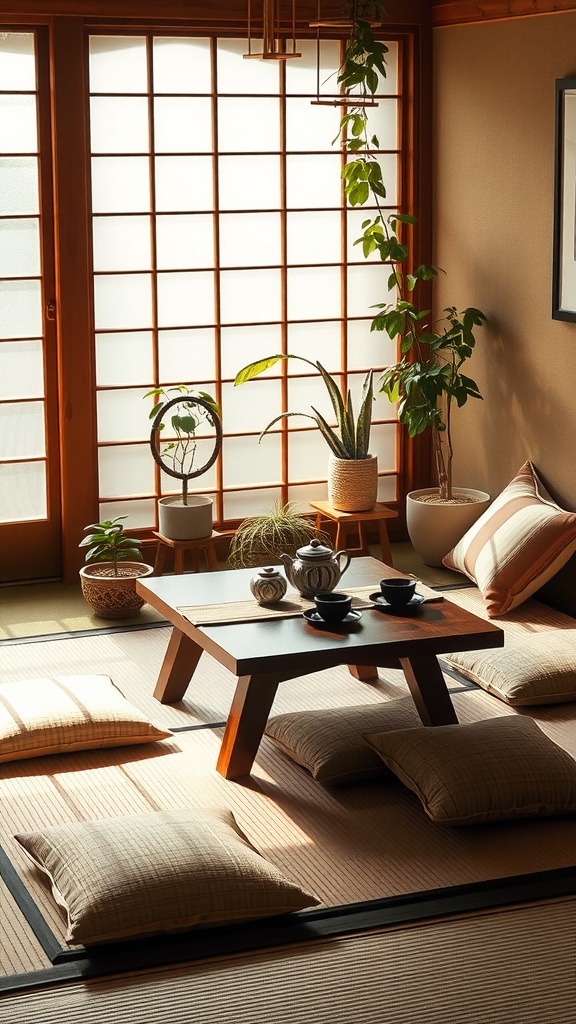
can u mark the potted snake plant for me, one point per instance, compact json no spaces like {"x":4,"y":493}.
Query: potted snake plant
{"x":352,"y":469}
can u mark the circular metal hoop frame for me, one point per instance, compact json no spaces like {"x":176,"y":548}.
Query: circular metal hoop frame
{"x":154,"y":436}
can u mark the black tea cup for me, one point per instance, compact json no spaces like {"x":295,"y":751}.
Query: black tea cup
{"x":333,"y":606}
{"x":398,"y":592}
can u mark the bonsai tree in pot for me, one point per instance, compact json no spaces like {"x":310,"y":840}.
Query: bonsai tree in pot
{"x":428,"y":378}
{"x":113,"y":564}
{"x":190,"y":516}
{"x":353,"y":471}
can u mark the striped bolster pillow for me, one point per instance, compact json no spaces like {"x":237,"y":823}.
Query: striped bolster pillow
{"x":517,"y":545}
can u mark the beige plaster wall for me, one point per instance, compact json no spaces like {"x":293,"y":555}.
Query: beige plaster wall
{"x":494,"y":179}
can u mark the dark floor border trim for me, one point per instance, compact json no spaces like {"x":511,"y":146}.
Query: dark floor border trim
{"x":303,"y":926}
{"x":28,"y":908}
{"x":98,"y":631}
{"x":465,"y":684}
{"x":196,"y":728}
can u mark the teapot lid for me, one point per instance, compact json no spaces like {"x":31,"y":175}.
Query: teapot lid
{"x":315,"y":549}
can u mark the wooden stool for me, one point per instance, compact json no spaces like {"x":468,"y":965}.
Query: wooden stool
{"x":344,"y":520}
{"x":180,"y":548}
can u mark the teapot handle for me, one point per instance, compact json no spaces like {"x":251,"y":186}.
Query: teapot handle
{"x":348,"y":560}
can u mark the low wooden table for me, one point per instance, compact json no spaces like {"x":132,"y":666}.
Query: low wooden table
{"x":263,"y":654}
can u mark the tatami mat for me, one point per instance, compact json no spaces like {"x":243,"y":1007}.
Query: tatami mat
{"x":351,"y":844}
{"x":513,"y":967}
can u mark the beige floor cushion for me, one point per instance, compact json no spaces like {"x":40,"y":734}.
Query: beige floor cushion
{"x":517,"y":545}
{"x":57,"y":714}
{"x":485,"y":771}
{"x":536,"y":669}
{"x":158,"y":872}
{"x":330,"y":743}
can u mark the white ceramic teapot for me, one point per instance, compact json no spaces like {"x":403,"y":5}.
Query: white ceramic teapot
{"x":316,"y":569}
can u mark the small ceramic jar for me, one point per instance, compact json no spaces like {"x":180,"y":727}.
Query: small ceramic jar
{"x":268,"y":585}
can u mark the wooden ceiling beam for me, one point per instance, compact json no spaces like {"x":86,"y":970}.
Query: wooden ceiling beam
{"x":213,"y":15}
{"x":466,"y":12}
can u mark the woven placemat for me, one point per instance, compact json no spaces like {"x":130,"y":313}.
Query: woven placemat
{"x":229,"y":612}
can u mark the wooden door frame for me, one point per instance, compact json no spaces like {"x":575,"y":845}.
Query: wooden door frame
{"x":77,"y":378}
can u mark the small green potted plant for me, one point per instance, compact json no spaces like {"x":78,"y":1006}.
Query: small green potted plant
{"x":113,"y":564}
{"x":184,"y":413}
{"x":352,"y":470}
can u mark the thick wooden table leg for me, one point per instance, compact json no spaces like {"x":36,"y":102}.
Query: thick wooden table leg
{"x":429,"y":690}
{"x":363,"y":672}
{"x":246,"y":723}
{"x":182,"y":656}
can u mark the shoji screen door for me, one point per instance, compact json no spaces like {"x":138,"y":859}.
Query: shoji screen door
{"x":220,"y":236}
{"x":29,"y":492}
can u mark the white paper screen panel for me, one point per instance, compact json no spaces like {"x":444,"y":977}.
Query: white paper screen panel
{"x":214,"y":247}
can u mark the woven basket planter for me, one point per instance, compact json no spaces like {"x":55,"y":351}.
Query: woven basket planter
{"x":113,"y":597}
{"x":353,"y":483}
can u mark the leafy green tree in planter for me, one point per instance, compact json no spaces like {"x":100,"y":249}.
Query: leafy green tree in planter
{"x":428,"y":378}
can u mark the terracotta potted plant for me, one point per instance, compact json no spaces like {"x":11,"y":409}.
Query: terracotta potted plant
{"x":352,"y":469}
{"x":113,"y":564}
{"x":184,"y":517}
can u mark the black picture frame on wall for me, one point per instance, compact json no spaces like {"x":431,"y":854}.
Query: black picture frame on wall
{"x":564,"y":252}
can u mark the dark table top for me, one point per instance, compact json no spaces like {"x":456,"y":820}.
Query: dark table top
{"x":294,"y":646}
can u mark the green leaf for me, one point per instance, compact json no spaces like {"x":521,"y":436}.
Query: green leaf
{"x":371,"y":81}
{"x":354,"y":145}
{"x":347,"y":427}
{"x":426,"y":272}
{"x":248,"y":372}
{"x":365,"y":417}
{"x":398,"y":252}
{"x":358,"y":193}
{"x":334,"y":393}
{"x":331,"y":438}
{"x":185,"y":424}
{"x":284,"y":416}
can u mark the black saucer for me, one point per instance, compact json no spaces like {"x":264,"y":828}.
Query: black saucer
{"x":385,"y":606}
{"x":312,"y":616}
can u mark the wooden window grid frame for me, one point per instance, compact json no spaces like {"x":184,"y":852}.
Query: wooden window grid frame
{"x":69,"y":133}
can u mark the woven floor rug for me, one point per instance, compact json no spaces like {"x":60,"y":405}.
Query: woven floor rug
{"x":512,"y":967}
{"x":367,"y":851}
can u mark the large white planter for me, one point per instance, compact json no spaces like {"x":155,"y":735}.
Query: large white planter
{"x":434,"y":528}
{"x":185,"y":522}
{"x":352,"y":483}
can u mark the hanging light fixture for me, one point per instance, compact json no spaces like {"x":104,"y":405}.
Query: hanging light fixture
{"x":340,"y":99}
{"x":277,"y":43}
